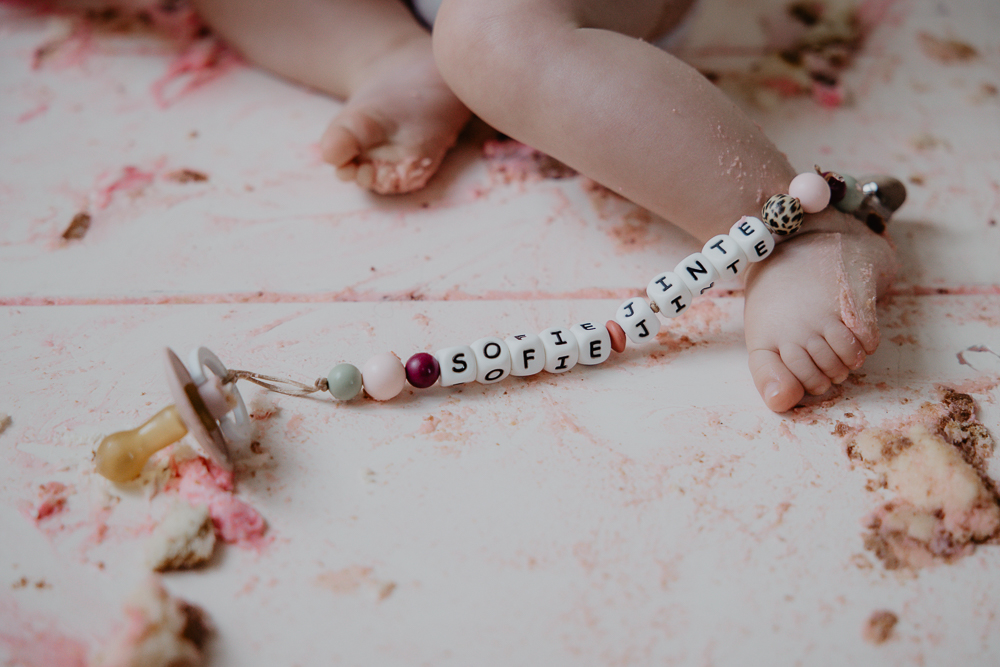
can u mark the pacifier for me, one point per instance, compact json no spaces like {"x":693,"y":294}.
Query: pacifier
{"x":206,"y":404}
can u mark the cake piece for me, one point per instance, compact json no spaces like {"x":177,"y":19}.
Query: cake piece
{"x":184,"y":539}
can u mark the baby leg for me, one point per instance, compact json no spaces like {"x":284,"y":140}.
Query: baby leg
{"x":399,"y":119}
{"x":575,"y":79}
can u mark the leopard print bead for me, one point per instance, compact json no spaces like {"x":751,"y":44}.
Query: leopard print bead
{"x":783,"y":214}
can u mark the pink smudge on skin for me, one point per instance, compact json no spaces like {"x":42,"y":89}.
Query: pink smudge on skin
{"x":201,"y":482}
{"x":200,"y":63}
{"x":131,"y":179}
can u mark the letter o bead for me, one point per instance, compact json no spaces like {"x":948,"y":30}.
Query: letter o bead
{"x":669,"y":293}
{"x":561,"y":349}
{"x":527,"y":355}
{"x":753,"y":237}
{"x":594,"y":341}
{"x":458,"y":365}
{"x":638,"y":320}
{"x":492,"y":360}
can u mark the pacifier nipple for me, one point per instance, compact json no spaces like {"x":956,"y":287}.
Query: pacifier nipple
{"x":121,"y":456}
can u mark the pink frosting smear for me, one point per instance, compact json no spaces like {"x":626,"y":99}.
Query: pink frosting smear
{"x":201,"y":482}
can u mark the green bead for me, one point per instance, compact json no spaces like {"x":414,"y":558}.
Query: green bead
{"x":344,"y":381}
{"x":852,"y":197}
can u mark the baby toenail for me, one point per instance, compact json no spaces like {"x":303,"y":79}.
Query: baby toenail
{"x":771,"y":390}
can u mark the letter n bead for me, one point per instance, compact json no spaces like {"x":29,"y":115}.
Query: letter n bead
{"x":527,"y":355}
{"x":458,"y":365}
{"x":561,"y":349}
{"x":638,"y":320}
{"x":492,"y":360}
{"x":697,"y":272}
{"x":669,"y":293}
{"x":726,"y":255}
{"x":753,"y":237}
{"x":594,"y":341}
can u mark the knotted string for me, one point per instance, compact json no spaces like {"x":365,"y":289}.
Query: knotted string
{"x":276,"y":384}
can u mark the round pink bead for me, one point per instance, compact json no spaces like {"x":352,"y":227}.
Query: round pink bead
{"x":811,"y":190}
{"x":383,"y":376}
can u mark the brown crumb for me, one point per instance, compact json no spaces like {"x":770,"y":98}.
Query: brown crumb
{"x":879,"y":627}
{"x":20,"y":583}
{"x":917,"y":179}
{"x":946,"y":50}
{"x":197,"y":628}
{"x":78,"y":227}
{"x":187,"y":176}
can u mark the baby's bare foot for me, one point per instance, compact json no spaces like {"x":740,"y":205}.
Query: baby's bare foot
{"x":810,"y":308}
{"x":398,"y":123}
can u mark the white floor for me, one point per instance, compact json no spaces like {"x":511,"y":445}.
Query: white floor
{"x":646,"y":511}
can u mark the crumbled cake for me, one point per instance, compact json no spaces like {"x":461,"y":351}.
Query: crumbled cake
{"x":159,"y":631}
{"x":879,"y":627}
{"x":944,"y":502}
{"x":184,"y":539}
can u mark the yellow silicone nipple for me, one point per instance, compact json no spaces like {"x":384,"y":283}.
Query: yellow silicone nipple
{"x":122,"y":455}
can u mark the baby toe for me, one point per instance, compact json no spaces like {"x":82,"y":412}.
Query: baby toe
{"x":347,"y":172}
{"x":796,"y":358}
{"x":779,"y":388}
{"x":339,"y":146}
{"x":847,"y":346}
{"x":827,"y":360}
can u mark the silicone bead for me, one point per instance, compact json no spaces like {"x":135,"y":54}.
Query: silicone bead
{"x":753,"y":237}
{"x":344,"y":381}
{"x":458,"y":365}
{"x":561,"y":349}
{"x":527,"y":355}
{"x":697,"y":273}
{"x":853,"y":196}
{"x":383,"y":376}
{"x":492,"y":360}
{"x":422,"y":370}
{"x":726,"y":255}
{"x":811,"y":190}
{"x":594,"y":342}
{"x":783,"y":214}
{"x":637,"y":320}
{"x":669,"y":293}
{"x":617,"y":336}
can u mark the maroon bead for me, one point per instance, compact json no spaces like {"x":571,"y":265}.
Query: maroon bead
{"x":838,"y":186}
{"x":422,"y":370}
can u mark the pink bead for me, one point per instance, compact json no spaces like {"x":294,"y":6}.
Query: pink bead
{"x":811,"y":190}
{"x":383,"y":376}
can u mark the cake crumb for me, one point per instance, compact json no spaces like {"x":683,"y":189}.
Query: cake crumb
{"x":879,"y":627}
{"x":187,"y":176}
{"x":159,"y":631}
{"x":78,"y":227}
{"x":5,"y":421}
{"x":946,"y":50}
{"x":184,"y":539}
{"x":945,"y":503}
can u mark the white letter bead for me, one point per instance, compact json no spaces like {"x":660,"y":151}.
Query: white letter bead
{"x":638,"y":320}
{"x":753,"y":237}
{"x":561,"y":349}
{"x":669,"y":293}
{"x":527,"y":356}
{"x":594,"y":341}
{"x":492,"y":360}
{"x":458,"y":365}
{"x":726,"y":256}
{"x":697,"y":273}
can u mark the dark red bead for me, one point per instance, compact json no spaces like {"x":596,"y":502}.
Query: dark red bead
{"x":422,"y":370}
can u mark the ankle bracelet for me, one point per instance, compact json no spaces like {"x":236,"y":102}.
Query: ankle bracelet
{"x":211,"y":408}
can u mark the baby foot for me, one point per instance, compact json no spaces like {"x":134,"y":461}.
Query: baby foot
{"x":810,"y":308}
{"x":397,"y":125}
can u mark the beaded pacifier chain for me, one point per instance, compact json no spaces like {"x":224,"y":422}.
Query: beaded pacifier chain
{"x":209,"y":406}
